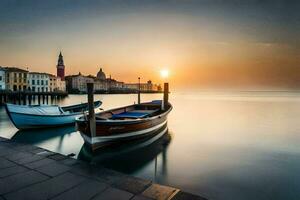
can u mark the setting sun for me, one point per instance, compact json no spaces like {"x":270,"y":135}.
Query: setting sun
{"x":164,"y":73}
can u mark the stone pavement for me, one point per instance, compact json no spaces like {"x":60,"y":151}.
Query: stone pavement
{"x":30,"y":172}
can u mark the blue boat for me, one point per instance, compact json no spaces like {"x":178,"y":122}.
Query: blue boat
{"x":41,"y":116}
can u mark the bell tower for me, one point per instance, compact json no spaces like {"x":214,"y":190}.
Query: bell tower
{"x":60,"y":67}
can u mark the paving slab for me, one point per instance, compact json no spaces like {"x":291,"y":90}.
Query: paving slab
{"x":28,"y":159}
{"x":7,"y":151}
{"x":140,"y":197}
{"x":38,"y":150}
{"x":53,"y":169}
{"x":39,"y":163}
{"x":18,"y":155}
{"x":18,"y":181}
{"x":97,"y":172}
{"x":109,"y":176}
{"x":160,"y":192}
{"x":132,"y":184}
{"x":113,"y":194}
{"x":57,"y":156}
{"x":12,"y":170}
{"x":85,"y":190}
{"x":186,"y":196}
{"x":4,"y":163}
{"x":84,"y":169}
{"x":47,"y":189}
{"x":28,"y":172}
{"x":69,"y":161}
{"x":24,"y":147}
{"x":45,"y":153}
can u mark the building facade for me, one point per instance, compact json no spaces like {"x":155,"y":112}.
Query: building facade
{"x":2,"y":78}
{"x":56,"y":84}
{"x":38,"y":82}
{"x":78,"y":83}
{"x":61,"y":85}
{"x":60,"y":67}
{"x":144,"y":87}
{"x":16,"y":79}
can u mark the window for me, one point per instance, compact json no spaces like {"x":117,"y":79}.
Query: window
{"x":0,"y":78}
{"x":42,"y":82}
{"x":38,"y":82}
{"x":15,"y":77}
{"x":33,"y":82}
{"x":33,"y":89}
{"x":46,"y":82}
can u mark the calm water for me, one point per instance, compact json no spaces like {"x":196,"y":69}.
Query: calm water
{"x":221,"y":146}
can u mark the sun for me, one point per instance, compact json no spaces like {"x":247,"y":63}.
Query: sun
{"x":164,"y":73}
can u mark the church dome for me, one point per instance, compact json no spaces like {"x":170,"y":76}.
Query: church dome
{"x":101,"y":75}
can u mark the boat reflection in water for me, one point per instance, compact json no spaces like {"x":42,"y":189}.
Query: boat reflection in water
{"x":130,"y":156}
{"x":54,"y":139}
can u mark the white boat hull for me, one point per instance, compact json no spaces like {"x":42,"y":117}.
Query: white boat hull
{"x":24,"y":121}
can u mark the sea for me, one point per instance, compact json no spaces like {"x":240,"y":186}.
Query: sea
{"x":219,"y":145}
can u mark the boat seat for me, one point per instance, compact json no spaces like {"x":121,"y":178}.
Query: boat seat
{"x":134,"y":114}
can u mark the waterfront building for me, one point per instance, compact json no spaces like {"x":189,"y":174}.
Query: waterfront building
{"x":144,"y":87}
{"x":2,"y":78}
{"x":38,"y":82}
{"x":60,"y":67}
{"x":56,"y":84}
{"x":61,"y":84}
{"x":16,"y":79}
{"x":114,"y":84}
{"x":77,"y":83}
{"x":101,"y":75}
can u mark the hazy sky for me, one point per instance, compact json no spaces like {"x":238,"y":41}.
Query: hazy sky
{"x":201,"y":42}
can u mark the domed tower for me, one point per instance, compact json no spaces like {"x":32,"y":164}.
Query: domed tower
{"x":101,"y":75}
{"x":60,"y":67}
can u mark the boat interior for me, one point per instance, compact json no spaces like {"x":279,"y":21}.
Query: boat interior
{"x":135,"y":111}
{"x":79,"y":107}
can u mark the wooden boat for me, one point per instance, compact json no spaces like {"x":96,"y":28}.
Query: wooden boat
{"x":41,"y":116}
{"x":125,"y":123}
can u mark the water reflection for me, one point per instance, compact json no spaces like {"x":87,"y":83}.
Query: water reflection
{"x":54,"y":139}
{"x":36,"y":136}
{"x":132,"y":156}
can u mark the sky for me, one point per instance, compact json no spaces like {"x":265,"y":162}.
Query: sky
{"x":203,"y":43}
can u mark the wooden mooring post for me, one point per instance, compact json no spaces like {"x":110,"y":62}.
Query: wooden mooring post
{"x":91,"y":115}
{"x":139,"y":91}
{"x":166,"y":96}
